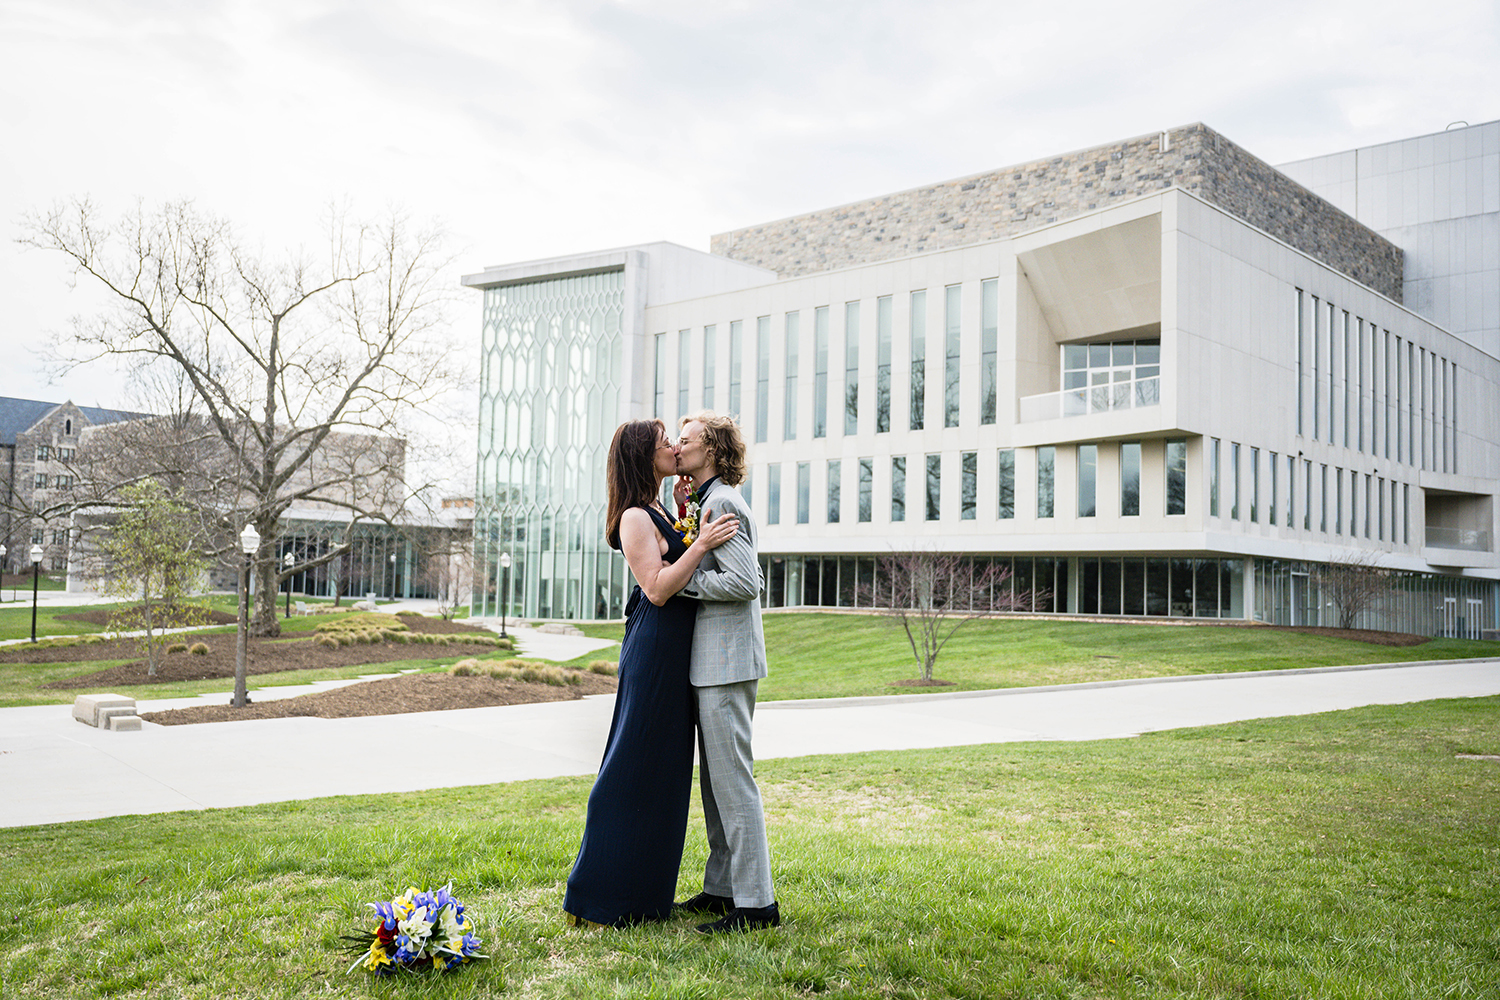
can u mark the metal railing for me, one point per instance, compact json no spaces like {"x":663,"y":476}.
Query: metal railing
{"x":1130,"y":395}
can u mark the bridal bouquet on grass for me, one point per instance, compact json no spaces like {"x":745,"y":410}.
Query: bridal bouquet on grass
{"x":417,"y":930}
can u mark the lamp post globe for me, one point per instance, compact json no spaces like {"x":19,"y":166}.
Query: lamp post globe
{"x":504,"y":590}
{"x":249,"y":545}
{"x":36,"y":568}
{"x":287,"y":563}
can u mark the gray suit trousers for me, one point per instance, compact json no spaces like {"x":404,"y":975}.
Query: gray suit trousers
{"x":739,"y":858}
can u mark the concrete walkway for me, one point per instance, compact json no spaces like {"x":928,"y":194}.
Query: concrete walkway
{"x":54,"y":769}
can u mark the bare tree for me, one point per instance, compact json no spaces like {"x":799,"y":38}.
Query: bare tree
{"x":1352,"y":582}
{"x":297,"y":377}
{"x":931,"y":595}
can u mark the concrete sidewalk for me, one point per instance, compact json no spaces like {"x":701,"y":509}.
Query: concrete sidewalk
{"x":54,"y":769}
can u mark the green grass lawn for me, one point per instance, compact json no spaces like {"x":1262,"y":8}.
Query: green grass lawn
{"x":1347,"y":855}
{"x":813,"y":655}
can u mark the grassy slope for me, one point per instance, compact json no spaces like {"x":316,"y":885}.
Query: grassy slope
{"x":1340,"y":855}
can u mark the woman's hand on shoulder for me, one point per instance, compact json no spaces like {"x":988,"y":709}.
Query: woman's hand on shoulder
{"x":715,"y":532}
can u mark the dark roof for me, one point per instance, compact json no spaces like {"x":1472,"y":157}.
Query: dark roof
{"x":20,"y":415}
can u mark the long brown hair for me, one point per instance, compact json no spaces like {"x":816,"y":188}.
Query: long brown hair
{"x":631,"y":472}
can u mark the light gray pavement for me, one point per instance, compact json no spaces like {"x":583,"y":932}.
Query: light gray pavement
{"x":54,"y":769}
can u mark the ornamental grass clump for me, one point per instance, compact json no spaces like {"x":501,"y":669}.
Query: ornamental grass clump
{"x":199,"y":649}
{"x":605,"y":668}
{"x":177,"y":647}
{"x":328,"y":641}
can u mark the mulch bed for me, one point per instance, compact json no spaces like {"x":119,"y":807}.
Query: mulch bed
{"x":1371,"y":636}
{"x":101,"y":616}
{"x":393,"y":696}
{"x":263,"y":656}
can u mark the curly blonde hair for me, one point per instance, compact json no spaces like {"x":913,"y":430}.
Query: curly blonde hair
{"x":723,"y":442}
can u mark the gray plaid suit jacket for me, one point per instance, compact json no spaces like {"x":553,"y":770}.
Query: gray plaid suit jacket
{"x":728,"y":644}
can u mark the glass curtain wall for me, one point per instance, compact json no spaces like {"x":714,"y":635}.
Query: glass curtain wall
{"x":550,"y":375}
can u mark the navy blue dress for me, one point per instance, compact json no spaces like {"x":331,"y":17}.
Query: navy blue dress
{"x":626,"y":871}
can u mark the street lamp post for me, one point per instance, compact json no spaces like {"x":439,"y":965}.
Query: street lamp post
{"x":504,"y":590}
{"x":36,"y":568}
{"x":249,"y":544}
{"x":287,"y":562}
{"x":393,"y":576}
{"x":2,"y":575}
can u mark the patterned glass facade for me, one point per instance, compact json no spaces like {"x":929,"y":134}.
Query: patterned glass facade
{"x":550,"y":384}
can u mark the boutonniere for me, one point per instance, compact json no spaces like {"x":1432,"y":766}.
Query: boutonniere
{"x":687,"y":524}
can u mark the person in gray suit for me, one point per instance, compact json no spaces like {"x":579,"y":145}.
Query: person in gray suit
{"x":727,"y":662}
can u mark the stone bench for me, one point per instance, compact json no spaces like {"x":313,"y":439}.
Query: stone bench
{"x":107,"y":711}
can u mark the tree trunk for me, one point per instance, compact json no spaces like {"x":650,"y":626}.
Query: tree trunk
{"x":264,"y":621}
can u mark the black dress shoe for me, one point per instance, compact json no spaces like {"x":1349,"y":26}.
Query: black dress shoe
{"x":705,"y":902}
{"x":744,"y":918}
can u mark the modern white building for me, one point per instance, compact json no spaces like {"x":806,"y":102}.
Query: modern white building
{"x":1156,"y":377}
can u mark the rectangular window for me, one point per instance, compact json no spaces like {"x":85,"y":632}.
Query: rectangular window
{"x":1007,"y":484}
{"x":41,"y":481}
{"x":1177,"y":477}
{"x":918,"y":359}
{"x":1130,"y":479}
{"x":659,"y":392}
{"x":1301,"y":364}
{"x":1046,"y":465}
{"x":1405,"y":513}
{"x":762,"y":378}
{"x":60,"y":537}
{"x":747,"y":487}
{"x":41,"y":452}
{"x":882,"y":364}
{"x":1411,"y":403}
{"x":736,"y":357}
{"x":952,"y":333}
{"x":1338,"y":501}
{"x":1380,"y":514}
{"x":1088,"y":470}
{"x":835,"y":475}
{"x":1401,"y":387}
{"x":38,"y":537}
{"x":1387,"y":403}
{"x":64,"y":482}
{"x":1347,"y":383}
{"x":1368,"y":490}
{"x":1359,"y":379}
{"x":1317,"y":351}
{"x":989,"y":337}
{"x":1323,"y":497}
{"x":1271,"y":496}
{"x":66,"y":454}
{"x":1213,"y":477}
{"x":1254,"y":485}
{"x":1332,"y":355}
{"x":804,"y":491}
{"x":684,"y":350}
{"x":773,"y":493}
{"x":934,"y":487}
{"x":1234,"y":481}
{"x":793,"y":341}
{"x":866,"y":487}
{"x":820,"y":372}
{"x":968,"y":494}
{"x":1291,"y":491}
{"x":898,"y":488}
{"x":851,"y":368}
{"x":1307,"y":494}
{"x":710,"y":345}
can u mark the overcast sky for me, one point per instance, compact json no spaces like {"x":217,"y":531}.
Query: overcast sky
{"x":540,"y":128}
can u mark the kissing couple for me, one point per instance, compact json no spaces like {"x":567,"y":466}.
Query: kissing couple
{"x":690,"y":661}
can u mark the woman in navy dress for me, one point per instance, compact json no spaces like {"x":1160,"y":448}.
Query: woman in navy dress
{"x":626,"y":871}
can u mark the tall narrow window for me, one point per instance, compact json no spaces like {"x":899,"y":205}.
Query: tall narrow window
{"x":710,"y":344}
{"x":1307,"y":494}
{"x":684,"y":352}
{"x":969,"y":490}
{"x":1130,"y":479}
{"x":1234,"y":481}
{"x":1369,"y":496}
{"x":898,"y":488}
{"x":866,"y":487}
{"x":820,"y":372}
{"x":1291,"y":491}
{"x":1323,"y":497}
{"x":793,"y":342}
{"x":1317,"y":383}
{"x":659,"y":391}
{"x":1405,"y":513}
{"x":952,"y":334}
{"x":736,"y":359}
{"x":989,"y":336}
{"x":882,"y":364}
{"x":1338,"y":501}
{"x":851,"y":368}
{"x":762,"y":377}
{"x":835,"y":475}
{"x":773,"y":493}
{"x":918,"y":359}
{"x":1007,"y":484}
{"x":1301,"y":364}
{"x":747,"y":488}
{"x":1271,"y":496}
{"x":1359,"y":380}
{"x":1347,"y":382}
{"x":1254,"y":485}
{"x":1380,"y":513}
{"x":804,"y":491}
{"x":1046,"y":465}
{"x":1177,"y":477}
{"x":1400,"y":404}
{"x":1332,"y":355}
{"x":1387,"y":401}
{"x":1213,"y":477}
{"x":1423,"y":405}
{"x":1412,"y":391}
{"x":934,"y":487}
{"x":1088,"y":469}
